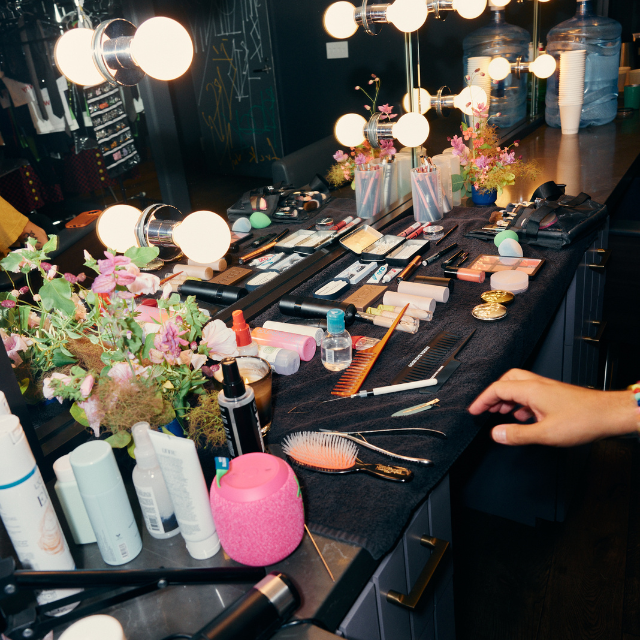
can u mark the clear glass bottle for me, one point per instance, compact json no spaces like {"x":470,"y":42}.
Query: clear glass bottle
{"x":335,"y":348}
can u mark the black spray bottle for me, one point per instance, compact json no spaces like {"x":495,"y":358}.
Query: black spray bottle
{"x":239,"y":412}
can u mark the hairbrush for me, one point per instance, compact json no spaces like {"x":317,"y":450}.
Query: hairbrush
{"x":330,"y":453}
{"x":353,"y":378}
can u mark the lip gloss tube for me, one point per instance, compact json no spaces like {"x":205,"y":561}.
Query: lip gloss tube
{"x":470,"y":275}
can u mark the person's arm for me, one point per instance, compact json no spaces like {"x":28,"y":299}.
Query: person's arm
{"x":15,"y":227}
{"x":33,"y":231}
{"x":565,"y":415}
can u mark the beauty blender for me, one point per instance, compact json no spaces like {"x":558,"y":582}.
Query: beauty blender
{"x":510,"y":248}
{"x":242,"y":225}
{"x":503,"y":235}
{"x":259,"y":220}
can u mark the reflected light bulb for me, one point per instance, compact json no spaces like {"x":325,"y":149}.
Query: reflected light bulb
{"x":499,"y":3}
{"x":543,"y":66}
{"x":469,"y":8}
{"x":421,"y":101}
{"x":339,"y":21}
{"x":469,"y":99}
{"x":203,"y":236}
{"x":162,"y":48}
{"x":74,"y":58}
{"x":349,"y":129}
{"x":117,"y":227}
{"x":499,"y":68}
{"x":411,"y":130}
{"x":407,"y":15}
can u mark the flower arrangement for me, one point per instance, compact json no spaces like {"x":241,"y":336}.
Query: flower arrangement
{"x":486,"y":165}
{"x":346,"y":163}
{"x":87,"y":346}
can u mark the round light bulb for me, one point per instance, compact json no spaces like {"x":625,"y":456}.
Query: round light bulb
{"x":499,"y":3}
{"x":543,"y":66}
{"x":117,"y":227}
{"x":421,"y":101}
{"x":162,"y":48}
{"x":349,"y":129}
{"x":407,"y":15}
{"x":411,"y":130}
{"x":74,"y":57}
{"x":339,"y":20}
{"x":470,"y":98}
{"x":469,"y":8}
{"x":499,"y":68}
{"x":203,"y":236}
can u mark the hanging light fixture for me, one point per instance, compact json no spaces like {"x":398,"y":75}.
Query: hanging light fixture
{"x":342,"y":19}
{"x":119,"y":53}
{"x":543,"y":67}
{"x":202,"y":236}
{"x":466,"y":100}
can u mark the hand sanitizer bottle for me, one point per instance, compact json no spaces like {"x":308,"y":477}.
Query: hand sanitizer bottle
{"x":336,"y":343}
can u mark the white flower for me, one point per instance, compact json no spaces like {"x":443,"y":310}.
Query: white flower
{"x":87,"y":256}
{"x":166,"y":291}
{"x":197,"y":360}
{"x":47,"y":391}
{"x":145,"y":283}
{"x":220,"y":340}
{"x":52,"y":272}
{"x":37,"y":297}
{"x":15,"y":293}
{"x":94,"y":414}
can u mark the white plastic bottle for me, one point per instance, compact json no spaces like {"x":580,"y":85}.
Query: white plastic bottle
{"x":105,"y":498}
{"x":155,"y":501}
{"x":283,"y":361}
{"x":71,"y":502}
{"x":336,"y":344}
{"x":27,"y":512}
{"x":99,"y":627}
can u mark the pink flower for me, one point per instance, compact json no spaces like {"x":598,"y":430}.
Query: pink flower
{"x":94,"y":413}
{"x":8,"y":304}
{"x":387,"y":148}
{"x":340,"y":156}
{"x":109,"y":265}
{"x":367,"y":107}
{"x":23,"y":290}
{"x":357,"y":88}
{"x":69,"y":277}
{"x":81,"y":277}
{"x":145,"y":283}
{"x":220,"y":340}
{"x":33,"y":320}
{"x":507,"y":158}
{"x":13,"y":344}
{"x":482,"y":162}
{"x":157,"y":357}
{"x":104,"y":283}
{"x":47,"y":391}
{"x":168,"y":339}
{"x":45,"y":266}
{"x":360,"y":159}
{"x":87,"y":385}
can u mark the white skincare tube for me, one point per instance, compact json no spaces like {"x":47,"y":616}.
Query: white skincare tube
{"x":185,"y":481}
{"x":302,"y":330}
{"x":27,"y":512}
{"x":4,"y":406}
{"x":439,"y":294}
{"x":401,"y":299}
{"x":218,"y":265}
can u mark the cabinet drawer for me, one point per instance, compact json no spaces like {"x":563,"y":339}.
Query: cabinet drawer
{"x":361,"y":623}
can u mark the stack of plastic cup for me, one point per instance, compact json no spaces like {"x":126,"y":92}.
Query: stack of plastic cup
{"x":571,"y":89}
{"x":477,"y":79}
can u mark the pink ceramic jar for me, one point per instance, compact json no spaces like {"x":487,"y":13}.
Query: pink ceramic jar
{"x":258,"y":510}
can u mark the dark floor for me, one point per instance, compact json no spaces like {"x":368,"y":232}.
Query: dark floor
{"x":576,"y":580}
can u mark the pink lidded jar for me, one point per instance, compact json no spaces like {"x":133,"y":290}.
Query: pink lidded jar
{"x":257,"y":509}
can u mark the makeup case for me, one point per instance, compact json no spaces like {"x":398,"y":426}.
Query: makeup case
{"x":575,"y":217}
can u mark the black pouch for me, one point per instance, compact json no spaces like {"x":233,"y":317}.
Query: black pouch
{"x":574,"y":217}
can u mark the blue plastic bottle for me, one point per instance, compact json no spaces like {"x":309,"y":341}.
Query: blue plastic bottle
{"x":601,"y":39}
{"x":508,"y":96}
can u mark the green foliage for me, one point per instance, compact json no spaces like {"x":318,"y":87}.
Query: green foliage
{"x":119,"y":440}
{"x":141,"y":256}
{"x":79,"y":415}
{"x":56,"y":294}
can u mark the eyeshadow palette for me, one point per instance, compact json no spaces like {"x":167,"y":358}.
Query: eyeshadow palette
{"x":377,"y":251}
{"x":492,"y":264}
{"x":359,"y":240}
{"x":403,"y":255}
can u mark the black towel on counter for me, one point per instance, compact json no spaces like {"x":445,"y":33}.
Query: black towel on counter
{"x":371,"y":512}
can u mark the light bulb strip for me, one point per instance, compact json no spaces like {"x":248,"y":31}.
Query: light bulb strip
{"x":442,"y":102}
{"x":436,"y":6}
{"x":375,"y":130}
{"x":520,"y":66}
{"x":111,"y":46}
{"x":368,"y":15}
{"x":116,"y":52}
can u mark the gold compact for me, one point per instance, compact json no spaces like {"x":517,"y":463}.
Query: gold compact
{"x":489,"y":312}
{"x":498,"y":296}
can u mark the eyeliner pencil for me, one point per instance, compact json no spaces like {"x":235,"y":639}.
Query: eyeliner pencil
{"x":455,"y":226}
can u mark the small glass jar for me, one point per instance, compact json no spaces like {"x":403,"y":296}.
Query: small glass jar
{"x":433,"y":232}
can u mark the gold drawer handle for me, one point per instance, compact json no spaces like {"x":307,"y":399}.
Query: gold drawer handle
{"x":412,"y":600}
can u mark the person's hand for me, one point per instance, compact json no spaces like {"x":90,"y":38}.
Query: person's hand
{"x":565,"y":415}
{"x":34,"y":231}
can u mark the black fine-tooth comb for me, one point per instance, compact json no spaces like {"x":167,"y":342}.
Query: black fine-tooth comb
{"x":429,"y":362}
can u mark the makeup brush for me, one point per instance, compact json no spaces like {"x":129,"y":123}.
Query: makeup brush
{"x":329,"y":453}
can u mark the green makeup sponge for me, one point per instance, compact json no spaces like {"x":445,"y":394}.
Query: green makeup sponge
{"x":259,"y":220}
{"x":503,"y":235}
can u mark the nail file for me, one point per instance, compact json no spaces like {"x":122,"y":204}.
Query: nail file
{"x":429,"y":362}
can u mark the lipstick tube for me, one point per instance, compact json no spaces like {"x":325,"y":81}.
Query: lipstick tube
{"x":460,"y":273}
{"x":409,"y":269}
{"x":412,"y":228}
{"x":341,"y":224}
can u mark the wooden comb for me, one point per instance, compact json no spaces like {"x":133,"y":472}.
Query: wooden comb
{"x":353,"y":378}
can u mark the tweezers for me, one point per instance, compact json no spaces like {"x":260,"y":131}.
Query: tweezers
{"x":350,"y":436}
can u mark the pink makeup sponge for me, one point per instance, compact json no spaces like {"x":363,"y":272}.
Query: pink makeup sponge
{"x":258,"y":510}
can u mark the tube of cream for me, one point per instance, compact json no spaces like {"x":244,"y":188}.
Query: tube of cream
{"x":417,"y":302}
{"x":439,"y":294}
{"x":299,"y":329}
{"x":410,"y":313}
{"x":304,"y":345}
{"x":183,"y":474}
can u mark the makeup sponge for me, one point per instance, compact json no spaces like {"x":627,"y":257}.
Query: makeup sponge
{"x":258,"y":510}
{"x":503,"y":235}
{"x":242,"y":225}
{"x":510,"y":248}
{"x":259,"y":220}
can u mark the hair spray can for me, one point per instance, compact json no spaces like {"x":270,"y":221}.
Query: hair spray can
{"x":27,"y":512}
{"x":239,"y":411}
